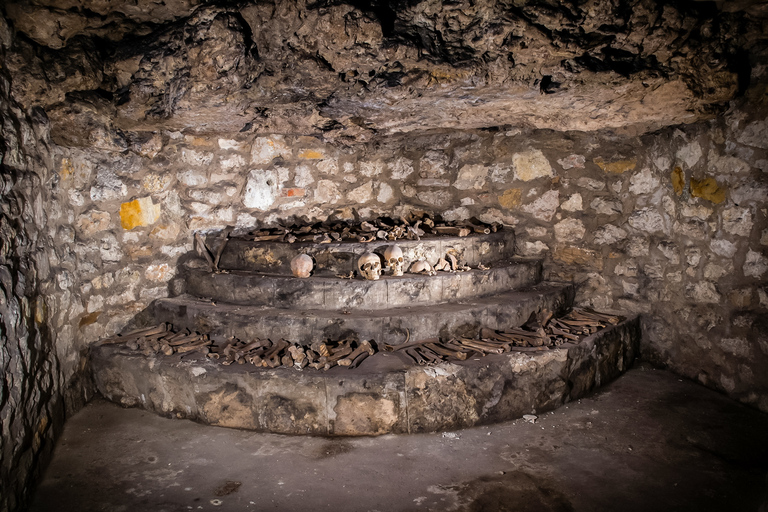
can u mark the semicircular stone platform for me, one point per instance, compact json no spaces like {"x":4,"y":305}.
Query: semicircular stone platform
{"x":386,"y":394}
{"x":255,"y":296}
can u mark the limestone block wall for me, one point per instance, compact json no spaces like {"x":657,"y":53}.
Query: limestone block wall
{"x":670,"y":224}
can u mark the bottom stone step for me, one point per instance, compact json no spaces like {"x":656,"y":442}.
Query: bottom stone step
{"x":384,"y":395}
{"x":384,"y":326}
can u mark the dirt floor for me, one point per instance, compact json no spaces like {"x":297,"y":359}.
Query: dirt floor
{"x":647,"y":442}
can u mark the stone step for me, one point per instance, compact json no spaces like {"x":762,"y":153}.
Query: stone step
{"x":221,"y":320}
{"x":330,"y":292}
{"x":386,"y":394}
{"x":340,"y":258}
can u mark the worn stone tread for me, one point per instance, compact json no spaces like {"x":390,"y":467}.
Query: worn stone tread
{"x":383,"y":395}
{"x":383,"y":325}
{"x":330,"y":292}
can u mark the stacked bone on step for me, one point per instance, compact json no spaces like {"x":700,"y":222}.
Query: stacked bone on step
{"x":162,"y":339}
{"x":320,"y":356}
{"x":383,"y":228}
{"x":541,"y":332}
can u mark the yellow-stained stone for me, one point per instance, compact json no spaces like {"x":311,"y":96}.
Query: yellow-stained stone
{"x":617,"y":167}
{"x":198,"y":141}
{"x":40,"y":310}
{"x":139,"y":212}
{"x":575,"y":256}
{"x":89,"y":319}
{"x":511,"y":198}
{"x":311,"y":154}
{"x":678,"y":180}
{"x":707,"y":189}
{"x":440,"y":76}
{"x":67,"y":169}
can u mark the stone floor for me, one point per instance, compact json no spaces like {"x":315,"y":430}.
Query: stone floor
{"x":647,"y":442}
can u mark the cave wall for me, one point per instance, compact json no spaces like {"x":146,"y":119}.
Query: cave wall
{"x":114,"y":156}
{"x":42,"y":367}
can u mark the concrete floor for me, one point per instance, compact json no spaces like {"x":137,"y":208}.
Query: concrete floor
{"x":647,"y":442}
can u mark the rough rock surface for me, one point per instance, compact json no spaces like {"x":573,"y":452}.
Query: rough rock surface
{"x":383,"y":396}
{"x":127,"y":127}
{"x":360,"y":69}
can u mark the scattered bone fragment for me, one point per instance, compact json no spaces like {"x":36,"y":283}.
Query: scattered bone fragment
{"x":415,"y":356}
{"x":365,"y":346}
{"x":203,"y":250}
{"x":442,"y":265}
{"x":299,"y":356}
{"x":422,"y":267}
{"x":453,"y":261}
{"x":359,"y":359}
{"x":220,"y":249}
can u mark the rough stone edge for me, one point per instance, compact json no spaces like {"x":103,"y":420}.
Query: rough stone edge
{"x":573,"y":373}
{"x":525,"y":272}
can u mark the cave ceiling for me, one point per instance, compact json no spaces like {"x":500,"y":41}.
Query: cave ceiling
{"x":102,"y":69}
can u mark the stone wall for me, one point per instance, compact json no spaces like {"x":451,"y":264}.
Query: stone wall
{"x":671,"y":224}
{"x":41,"y":366}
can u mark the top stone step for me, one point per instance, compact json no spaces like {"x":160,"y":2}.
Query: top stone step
{"x":341,"y":257}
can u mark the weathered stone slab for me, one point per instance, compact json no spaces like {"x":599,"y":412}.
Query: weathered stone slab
{"x":324,"y":292}
{"x":498,"y":311}
{"x":384,"y":395}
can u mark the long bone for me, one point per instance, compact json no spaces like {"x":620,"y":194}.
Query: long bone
{"x":364,"y":346}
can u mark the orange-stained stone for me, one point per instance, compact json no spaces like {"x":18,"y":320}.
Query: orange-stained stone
{"x":617,"y":167}
{"x":294,"y":192}
{"x":511,"y":198}
{"x":139,"y":212}
{"x":707,"y":189}
{"x":678,"y":180}
{"x":311,"y":154}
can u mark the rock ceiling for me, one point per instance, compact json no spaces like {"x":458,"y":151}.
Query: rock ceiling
{"x":103,"y":68}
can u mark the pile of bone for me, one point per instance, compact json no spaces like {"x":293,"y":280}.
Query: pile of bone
{"x":541,"y":332}
{"x":268,"y":354}
{"x":383,"y":228}
{"x":369,"y":265}
{"x":162,"y":339}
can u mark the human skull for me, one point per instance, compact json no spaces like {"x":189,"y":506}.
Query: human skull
{"x":394,"y":256}
{"x":302,"y":265}
{"x":369,"y":266}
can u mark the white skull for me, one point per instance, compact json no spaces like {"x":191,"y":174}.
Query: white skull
{"x":369,"y":266}
{"x":302,"y":265}
{"x":394,"y":256}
